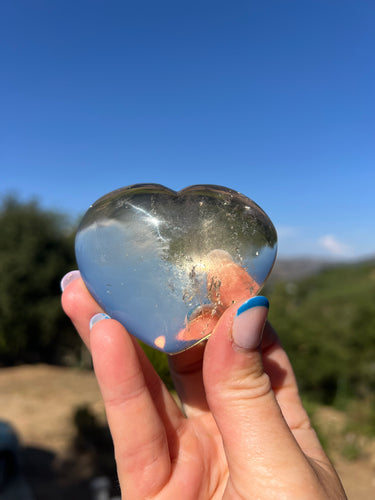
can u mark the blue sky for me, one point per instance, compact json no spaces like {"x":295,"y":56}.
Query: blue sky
{"x":273,"y":98}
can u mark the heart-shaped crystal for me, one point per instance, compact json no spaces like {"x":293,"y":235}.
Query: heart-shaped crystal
{"x":167,"y":264}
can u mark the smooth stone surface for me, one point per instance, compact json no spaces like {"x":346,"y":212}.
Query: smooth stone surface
{"x":167,"y":264}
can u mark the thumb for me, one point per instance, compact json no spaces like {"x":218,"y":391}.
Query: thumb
{"x":255,"y":435}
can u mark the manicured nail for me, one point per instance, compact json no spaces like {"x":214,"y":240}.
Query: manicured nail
{"x":68,"y":278}
{"x":248,"y":324}
{"x":98,"y":317}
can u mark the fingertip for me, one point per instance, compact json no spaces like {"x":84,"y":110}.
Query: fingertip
{"x":79,"y":306}
{"x":72,"y":293}
{"x":69,"y":278}
{"x":248,"y":323}
{"x":96,"y":318}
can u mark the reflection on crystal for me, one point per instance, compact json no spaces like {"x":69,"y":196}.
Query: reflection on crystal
{"x":166,"y":264}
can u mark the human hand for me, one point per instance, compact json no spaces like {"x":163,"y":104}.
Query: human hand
{"x":242,"y":434}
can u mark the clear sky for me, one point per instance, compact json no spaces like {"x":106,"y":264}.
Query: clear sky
{"x":273,"y":98}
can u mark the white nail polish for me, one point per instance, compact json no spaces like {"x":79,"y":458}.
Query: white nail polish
{"x":98,"y":317}
{"x":68,"y":278}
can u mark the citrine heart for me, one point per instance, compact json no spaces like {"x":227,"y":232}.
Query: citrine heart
{"x":167,"y":264}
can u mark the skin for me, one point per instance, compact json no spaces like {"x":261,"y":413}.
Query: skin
{"x":241,"y":431}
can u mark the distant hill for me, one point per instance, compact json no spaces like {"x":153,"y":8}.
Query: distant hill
{"x":294,"y":269}
{"x":291,"y":269}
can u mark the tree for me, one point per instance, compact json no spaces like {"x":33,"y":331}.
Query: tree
{"x":36,"y":250}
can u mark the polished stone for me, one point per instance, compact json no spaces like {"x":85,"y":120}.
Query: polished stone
{"x":167,"y":264}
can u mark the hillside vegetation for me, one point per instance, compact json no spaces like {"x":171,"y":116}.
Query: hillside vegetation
{"x":327,"y":325}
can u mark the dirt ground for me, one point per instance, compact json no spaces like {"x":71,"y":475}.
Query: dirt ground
{"x":41,"y":401}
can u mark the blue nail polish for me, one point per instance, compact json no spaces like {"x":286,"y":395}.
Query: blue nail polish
{"x":98,"y":317}
{"x":258,"y":301}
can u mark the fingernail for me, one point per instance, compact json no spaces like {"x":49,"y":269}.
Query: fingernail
{"x":249,"y":322}
{"x":68,"y":278}
{"x":98,"y":317}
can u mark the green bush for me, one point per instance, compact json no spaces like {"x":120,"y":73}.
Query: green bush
{"x":36,"y":250}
